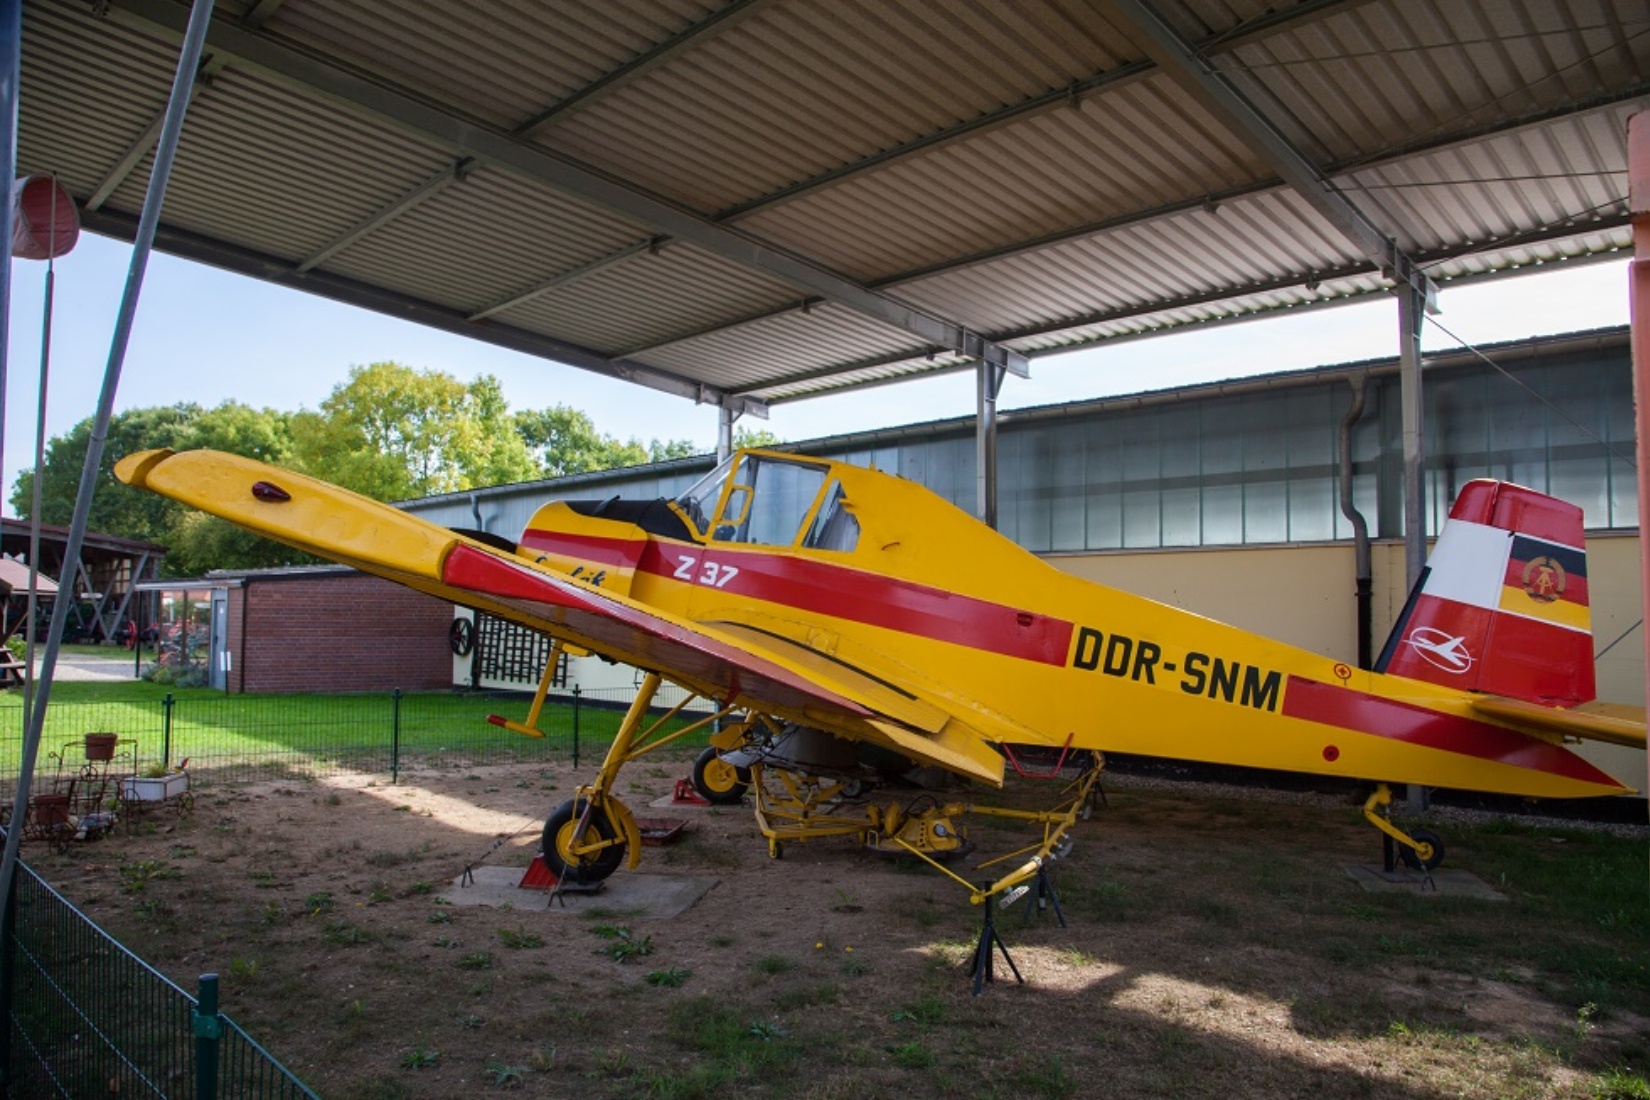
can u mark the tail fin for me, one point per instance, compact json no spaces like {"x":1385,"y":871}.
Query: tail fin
{"x":1501,"y":607}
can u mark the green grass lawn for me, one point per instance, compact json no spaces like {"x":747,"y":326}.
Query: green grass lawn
{"x":215,"y":730}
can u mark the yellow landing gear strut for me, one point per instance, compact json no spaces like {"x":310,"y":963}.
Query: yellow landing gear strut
{"x":1421,"y":850}
{"x":586,"y":839}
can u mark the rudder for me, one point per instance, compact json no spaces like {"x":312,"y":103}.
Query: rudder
{"x":1502,"y":606}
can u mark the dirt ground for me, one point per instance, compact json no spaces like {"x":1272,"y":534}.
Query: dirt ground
{"x":1216,"y":948}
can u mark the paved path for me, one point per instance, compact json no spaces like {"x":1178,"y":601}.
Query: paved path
{"x":117,"y":666}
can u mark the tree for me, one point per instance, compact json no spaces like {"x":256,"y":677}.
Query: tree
{"x":665,"y":450}
{"x":391,"y":432}
{"x":563,"y":440}
{"x":754,"y":437}
{"x":116,"y":509}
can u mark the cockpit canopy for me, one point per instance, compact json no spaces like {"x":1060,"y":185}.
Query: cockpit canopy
{"x":769,"y":500}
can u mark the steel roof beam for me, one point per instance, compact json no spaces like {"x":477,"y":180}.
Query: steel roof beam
{"x":432,"y":122}
{"x":583,"y":271}
{"x":207,"y":250}
{"x":1308,"y":11}
{"x":429,"y":189}
{"x":1180,"y":60}
{"x":145,"y":143}
{"x":698,"y":34}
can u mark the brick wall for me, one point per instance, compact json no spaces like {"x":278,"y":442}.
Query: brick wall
{"x":337,"y":632}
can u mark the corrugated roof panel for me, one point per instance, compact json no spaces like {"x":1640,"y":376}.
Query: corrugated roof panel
{"x":648,"y":298}
{"x":1381,"y":76}
{"x":90,"y":94}
{"x":1255,"y":240}
{"x":502,"y":60}
{"x":795,"y":342}
{"x":1065,"y":167}
{"x":481,"y":241}
{"x":266,"y":169}
{"x":801,"y":88}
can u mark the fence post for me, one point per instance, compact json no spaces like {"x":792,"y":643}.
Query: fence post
{"x":208,"y":1030}
{"x":395,"y":736}
{"x":166,"y":704}
{"x":8,"y":979}
{"x":575,"y":727}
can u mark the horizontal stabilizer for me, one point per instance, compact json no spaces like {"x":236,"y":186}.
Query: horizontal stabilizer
{"x":1612,"y":723}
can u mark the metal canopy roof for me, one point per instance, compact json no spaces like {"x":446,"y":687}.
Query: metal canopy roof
{"x":748,"y":201}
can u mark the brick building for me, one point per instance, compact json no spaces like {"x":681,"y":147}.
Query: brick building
{"x":314,"y":629}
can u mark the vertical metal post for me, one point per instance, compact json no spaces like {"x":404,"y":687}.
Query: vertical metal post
{"x":166,"y":704}
{"x":724,"y":433}
{"x":160,"y":174}
{"x":395,"y":736}
{"x":576,"y":694}
{"x":989,"y":383}
{"x":1411,"y":401}
{"x":1412,"y":404}
{"x":8,"y":979}
{"x":1638,"y":276}
{"x":11,"y":66}
{"x":208,"y":1031}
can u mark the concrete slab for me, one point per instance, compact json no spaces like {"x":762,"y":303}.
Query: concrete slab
{"x":634,"y":895}
{"x":1446,"y":882}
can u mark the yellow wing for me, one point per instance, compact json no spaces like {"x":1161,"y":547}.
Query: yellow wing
{"x":733,"y":665}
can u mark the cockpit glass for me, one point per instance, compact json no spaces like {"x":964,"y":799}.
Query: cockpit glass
{"x":763,"y":500}
{"x":834,"y":526}
{"x":700,"y":500}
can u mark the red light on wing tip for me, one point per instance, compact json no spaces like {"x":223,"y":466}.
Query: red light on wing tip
{"x":270,"y":493}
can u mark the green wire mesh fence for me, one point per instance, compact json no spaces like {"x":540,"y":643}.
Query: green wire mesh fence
{"x":86,"y":1017}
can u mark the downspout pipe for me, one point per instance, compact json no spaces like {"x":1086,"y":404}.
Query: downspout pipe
{"x":1360,"y":527}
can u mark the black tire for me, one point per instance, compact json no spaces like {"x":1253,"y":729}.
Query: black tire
{"x":559,"y":828}
{"x":461,"y":636}
{"x":1413,"y":861}
{"x":719,"y":782}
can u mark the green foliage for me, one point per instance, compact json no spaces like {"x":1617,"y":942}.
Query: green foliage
{"x":668,"y":979}
{"x":391,"y":432}
{"x":754,"y":437}
{"x":563,"y":440}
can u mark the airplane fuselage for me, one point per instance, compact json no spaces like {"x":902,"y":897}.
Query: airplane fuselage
{"x":1047,"y":658}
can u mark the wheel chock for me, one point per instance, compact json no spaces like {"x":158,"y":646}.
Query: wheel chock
{"x":685,"y":795}
{"x":538,"y":876}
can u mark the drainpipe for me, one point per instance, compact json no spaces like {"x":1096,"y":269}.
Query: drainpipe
{"x":1360,"y":528}
{"x":475,"y":511}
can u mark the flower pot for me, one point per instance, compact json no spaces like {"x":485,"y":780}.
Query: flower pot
{"x":101,"y":746}
{"x":50,"y":809}
{"x":142,"y":789}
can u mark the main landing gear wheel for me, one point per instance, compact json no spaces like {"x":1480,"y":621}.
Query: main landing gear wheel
{"x":560,"y":830}
{"x":1413,"y":860}
{"x":719,"y":782}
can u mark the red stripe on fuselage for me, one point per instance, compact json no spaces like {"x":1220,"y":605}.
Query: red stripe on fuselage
{"x":593,"y":548}
{"x":1347,"y":709}
{"x":822,"y":588}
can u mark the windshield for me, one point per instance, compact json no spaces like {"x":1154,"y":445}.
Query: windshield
{"x":755,"y":499}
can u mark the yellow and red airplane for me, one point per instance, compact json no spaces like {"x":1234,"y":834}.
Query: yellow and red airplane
{"x":842,"y":617}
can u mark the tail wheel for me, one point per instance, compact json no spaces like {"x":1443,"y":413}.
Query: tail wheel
{"x":562,"y":837}
{"x":718,"y":781}
{"x":1414,"y":860}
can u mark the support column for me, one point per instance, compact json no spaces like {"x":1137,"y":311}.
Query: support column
{"x":11,"y":63}
{"x":1638,"y":206}
{"x":990,"y":383}
{"x":724,"y":432}
{"x":1411,"y":307}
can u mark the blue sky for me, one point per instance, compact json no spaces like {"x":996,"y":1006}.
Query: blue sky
{"x":207,"y":336}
